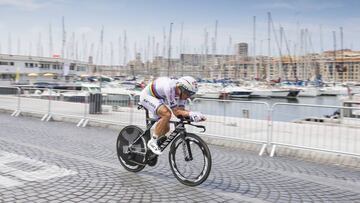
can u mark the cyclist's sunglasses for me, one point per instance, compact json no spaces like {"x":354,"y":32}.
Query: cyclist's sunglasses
{"x":187,"y":92}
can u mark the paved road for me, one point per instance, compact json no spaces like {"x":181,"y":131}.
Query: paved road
{"x":58,"y":162}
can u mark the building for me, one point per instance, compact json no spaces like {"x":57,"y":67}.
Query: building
{"x":23,"y":68}
{"x":242,"y":49}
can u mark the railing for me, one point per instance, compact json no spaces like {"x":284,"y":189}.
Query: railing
{"x":9,"y":98}
{"x":305,"y":126}
{"x":311,"y":131}
{"x":245,"y":121}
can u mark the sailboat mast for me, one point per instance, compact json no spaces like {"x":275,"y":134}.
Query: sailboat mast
{"x":269,"y":48}
{"x":334,"y":64}
{"x":181,"y":47}
{"x":9,"y":44}
{"x":102,"y":45}
{"x":111,"y":55}
{"x":125,"y":49}
{"x":18,"y":46}
{"x":169,"y":50}
{"x":214,"y":46}
{"x":63,"y":38}
{"x":206,"y":72}
{"x":342,"y":53}
{"x":50,"y":41}
{"x":254,"y":49}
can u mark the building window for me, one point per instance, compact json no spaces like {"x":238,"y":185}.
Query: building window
{"x":45,"y":66}
{"x":3,"y":63}
{"x":72,"y":66}
{"x":55,"y":67}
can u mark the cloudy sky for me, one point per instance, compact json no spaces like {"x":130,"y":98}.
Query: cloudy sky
{"x":24,"y":25}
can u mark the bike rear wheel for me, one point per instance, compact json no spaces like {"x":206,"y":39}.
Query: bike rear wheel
{"x":131,"y":157}
{"x":190,"y":159}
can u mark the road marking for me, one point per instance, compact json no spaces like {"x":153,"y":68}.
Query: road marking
{"x":43,"y":170}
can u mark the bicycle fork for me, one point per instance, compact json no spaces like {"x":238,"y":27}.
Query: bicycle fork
{"x":186,"y":147}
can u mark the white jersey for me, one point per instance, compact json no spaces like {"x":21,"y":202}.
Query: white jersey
{"x":163,"y":88}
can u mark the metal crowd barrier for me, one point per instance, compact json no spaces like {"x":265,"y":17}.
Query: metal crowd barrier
{"x":330,"y":132}
{"x":291,"y":125}
{"x":9,"y":98}
{"x":247,"y":121}
{"x":116,"y":109}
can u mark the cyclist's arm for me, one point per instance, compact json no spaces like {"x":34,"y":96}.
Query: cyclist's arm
{"x":180,"y":111}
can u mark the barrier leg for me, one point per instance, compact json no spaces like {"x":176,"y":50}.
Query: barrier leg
{"x":262,"y":149}
{"x":272,"y":151}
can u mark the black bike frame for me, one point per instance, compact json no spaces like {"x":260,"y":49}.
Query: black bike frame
{"x":179,"y":130}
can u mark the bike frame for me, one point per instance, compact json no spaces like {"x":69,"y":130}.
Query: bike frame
{"x":179,"y":130}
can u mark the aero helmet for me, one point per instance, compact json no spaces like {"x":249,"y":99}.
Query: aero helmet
{"x":188,"y":84}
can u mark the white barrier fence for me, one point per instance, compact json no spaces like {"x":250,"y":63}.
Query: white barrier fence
{"x":246,"y":121}
{"x":241,"y":120}
{"x":9,"y":98}
{"x":338,"y":134}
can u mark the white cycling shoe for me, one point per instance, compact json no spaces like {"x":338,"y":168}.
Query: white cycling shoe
{"x":153,"y":146}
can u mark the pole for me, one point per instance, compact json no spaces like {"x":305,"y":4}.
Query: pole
{"x":169,"y":50}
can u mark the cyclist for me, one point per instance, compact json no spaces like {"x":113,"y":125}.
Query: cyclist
{"x":164,"y":92}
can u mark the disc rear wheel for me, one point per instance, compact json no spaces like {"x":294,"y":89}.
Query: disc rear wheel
{"x":132,"y":156}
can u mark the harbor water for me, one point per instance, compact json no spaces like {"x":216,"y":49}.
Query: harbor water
{"x":289,"y":110}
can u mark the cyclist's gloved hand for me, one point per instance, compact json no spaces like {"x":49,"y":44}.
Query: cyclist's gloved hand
{"x":196,"y":116}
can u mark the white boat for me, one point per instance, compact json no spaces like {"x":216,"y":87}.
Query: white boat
{"x":308,"y":92}
{"x":260,"y":92}
{"x":236,"y":92}
{"x":284,"y":93}
{"x":350,"y":116}
{"x":115,"y":89}
{"x":334,"y":90}
{"x":209,"y":90}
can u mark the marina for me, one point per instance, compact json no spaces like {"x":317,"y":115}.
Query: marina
{"x":263,"y":99}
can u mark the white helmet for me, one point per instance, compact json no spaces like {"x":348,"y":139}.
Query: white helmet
{"x":188,"y":84}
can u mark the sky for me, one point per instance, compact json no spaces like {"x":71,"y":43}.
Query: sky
{"x":24,"y":26}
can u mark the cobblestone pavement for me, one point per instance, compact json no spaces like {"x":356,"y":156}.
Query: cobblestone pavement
{"x":58,"y":162}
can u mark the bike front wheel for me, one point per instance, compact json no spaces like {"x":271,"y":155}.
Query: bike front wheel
{"x":190,"y":159}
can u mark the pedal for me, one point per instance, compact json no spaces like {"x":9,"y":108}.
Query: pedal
{"x":152,"y":160}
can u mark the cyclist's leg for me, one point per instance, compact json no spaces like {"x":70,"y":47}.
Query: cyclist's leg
{"x":156,"y":107}
{"x":150,"y":103}
{"x":162,"y":126}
